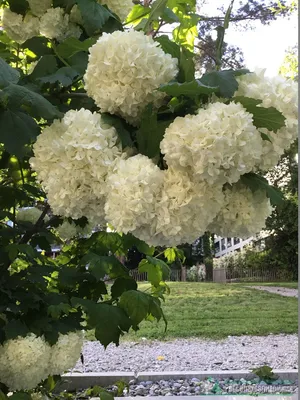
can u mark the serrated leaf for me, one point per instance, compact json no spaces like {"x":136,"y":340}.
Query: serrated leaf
{"x":38,"y":45}
{"x":255,"y":182}
{"x":15,"y":328}
{"x":72,"y":46}
{"x":94,"y":15}
{"x":169,"y":16}
{"x":99,"y":266}
{"x":120,"y":127}
{"x":16,"y":130}
{"x":157,"y":9}
{"x":168,"y":46}
{"x":137,"y":13}
{"x":64,"y":75}
{"x":157,"y":270}
{"x":45,"y":66}
{"x":263,"y":117}
{"x":18,"y":96}
{"x":170,"y":254}
{"x":109,"y":321}
{"x":225,"y":80}
{"x":189,"y":89}
{"x":79,"y":62}
{"x":121,"y":285}
{"x":7,"y":74}
{"x":20,"y":396}
{"x":242,"y":71}
{"x":136,"y":305}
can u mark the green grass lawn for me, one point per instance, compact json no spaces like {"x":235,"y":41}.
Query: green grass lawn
{"x":290,"y":285}
{"x":218,"y":310}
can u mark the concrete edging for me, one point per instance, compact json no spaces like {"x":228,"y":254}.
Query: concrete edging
{"x":73,"y":381}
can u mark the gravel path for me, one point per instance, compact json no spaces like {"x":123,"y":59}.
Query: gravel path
{"x":277,"y":290}
{"x":242,"y":352}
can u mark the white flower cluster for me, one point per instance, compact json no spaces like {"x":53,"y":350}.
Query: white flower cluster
{"x":218,"y":144}
{"x":243,"y":214}
{"x":29,"y":214}
{"x":182,"y":211}
{"x":65,"y":353}
{"x":20,"y":28}
{"x":39,"y":7}
{"x":131,"y":193}
{"x":123,"y":71}
{"x":69,"y":230}
{"x":119,"y":7}
{"x":72,"y":158}
{"x":275,"y":92}
{"x":26,"y":361}
{"x":53,"y":23}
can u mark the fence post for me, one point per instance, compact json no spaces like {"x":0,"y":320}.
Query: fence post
{"x":183,"y":273}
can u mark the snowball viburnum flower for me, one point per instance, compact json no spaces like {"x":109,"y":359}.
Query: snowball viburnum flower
{"x":131,"y":193}
{"x":72,"y":158}
{"x":275,"y":92}
{"x":218,"y":144}
{"x":24,"y":362}
{"x":39,"y":7}
{"x":243,"y":214}
{"x":124,"y":71}
{"x":65,"y":352}
{"x":119,"y":7}
{"x":55,"y":24}
{"x":183,"y":210}
{"x":20,"y":28}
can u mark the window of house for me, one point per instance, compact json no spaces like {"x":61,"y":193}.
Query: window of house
{"x":236,"y":240}
{"x":229,"y":244}
{"x":223,"y":245}
{"x":217,"y":247}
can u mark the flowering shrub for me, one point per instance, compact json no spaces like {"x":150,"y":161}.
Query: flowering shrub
{"x":196,"y":273}
{"x":102,"y":125}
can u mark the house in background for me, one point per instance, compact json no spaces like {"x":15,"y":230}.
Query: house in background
{"x":227,"y":245}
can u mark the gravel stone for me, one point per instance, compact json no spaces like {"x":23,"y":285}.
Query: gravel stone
{"x":235,"y":352}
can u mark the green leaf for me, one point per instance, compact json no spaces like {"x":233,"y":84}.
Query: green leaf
{"x":157,"y":10}
{"x":168,"y":46}
{"x":18,"y":6}
{"x":39,"y":107}
{"x":186,"y":66}
{"x":169,"y":16}
{"x":121,"y":285}
{"x":265,"y":137}
{"x":109,"y":321}
{"x":189,"y":89}
{"x":256,"y":182}
{"x":7,"y":74}
{"x":20,"y":396}
{"x":170,"y":254}
{"x":136,"y":305}
{"x":225,"y":80}
{"x":15,"y":328}
{"x":157,"y":270}
{"x":121,"y":128}
{"x":72,"y":46}
{"x":79,"y":62}
{"x":2,"y":396}
{"x":150,"y":133}
{"x":242,"y":71}
{"x":94,"y":15}
{"x":38,"y":45}
{"x":269,"y":118}
{"x":46,"y":65}
{"x":16,"y":130}
{"x":137,"y":13}
{"x":99,"y":266}
{"x":104,"y":395}
{"x":64,"y":75}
